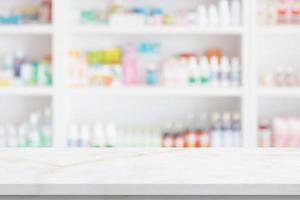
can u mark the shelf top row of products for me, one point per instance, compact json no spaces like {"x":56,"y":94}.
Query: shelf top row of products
{"x":224,"y":17}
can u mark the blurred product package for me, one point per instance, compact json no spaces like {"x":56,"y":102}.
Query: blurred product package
{"x":143,"y":64}
{"x":18,"y":70}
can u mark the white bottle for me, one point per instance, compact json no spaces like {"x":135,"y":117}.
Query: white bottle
{"x":204,"y":137}
{"x":213,"y":16}
{"x":235,"y":72}
{"x":34,"y":130}
{"x":190,"y":126}
{"x":294,"y":130}
{"x":3,"y":137}
{"x":8,"y":67}
{"x":224,"y":75}
{"x":192,"y":17}
{"x":217,"y":134}
{"x":26,"y":74}
{"x":8,"y":63}
{"x":126,"y":139}
{"x":42,"y":75}
{"x":290,"y":77}
{"x":193,"y":73}
{"x":112,"y":135}
{"x":224,"y":13}
{"x":46,"y":128}
{"x":167,"y":75}
{"x":22,"y":135}
{"x":183,"y":74}
{"x":235,"y":12}
{"x":205,"y":72}
{"x":85,"y":136}
{"x":98,"y":139}
{"x":279,"y":78}
{"x":227,"y":132}
{"x":156,"y":140}
{"x":168,"y":137}
{"x":134,"y":137}
{"x":215,"y":72}
{"x":236,"y":129}
{"x":280,"y":132}
{"x":73,"y":138}
{"x":142,"y":137}
{"x":12,"y":136}
{"x":202,"y":15}
{"x":177,"y":132}
{"x":146,"y":139}
{"x":135,"y":134}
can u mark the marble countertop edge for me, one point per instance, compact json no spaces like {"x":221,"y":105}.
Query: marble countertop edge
{"x":150,"y":189}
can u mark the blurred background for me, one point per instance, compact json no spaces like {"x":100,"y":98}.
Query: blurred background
{"x":149,"y":73}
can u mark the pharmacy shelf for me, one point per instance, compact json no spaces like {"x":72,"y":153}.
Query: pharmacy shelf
{"x":281,"y":91}
{"x":26,"y":91}
{"x":283,"y":29}
{"x":35,"y":29}
{"x":188,"y":30}
{"x":63,"y":33}
{"x":158,"y":91}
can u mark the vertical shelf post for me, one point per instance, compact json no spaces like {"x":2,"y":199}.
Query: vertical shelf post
{"x":59,"y":40}
{"x":249,"y":137}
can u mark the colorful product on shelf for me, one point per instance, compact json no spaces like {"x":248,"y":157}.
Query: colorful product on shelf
{"x":279,"y":12}
{"x":192,"y":70}
{"x":17,"y":70}
{"x":95,"y":67}
{"x":223,"y":130}
{"x":282,"y":77}
{"x":28,"y":13}
{"x":142,"y":64}
{"x":35,"y":132}
{"x":280,"y":132}
{"x":225,"y":13}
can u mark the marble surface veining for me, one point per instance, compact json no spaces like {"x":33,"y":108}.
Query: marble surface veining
{"x":42,"y":169}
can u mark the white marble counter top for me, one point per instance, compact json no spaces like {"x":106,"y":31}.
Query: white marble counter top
{"x":149,"y":171}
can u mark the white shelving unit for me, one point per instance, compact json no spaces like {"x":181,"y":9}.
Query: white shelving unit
{"x":37,"y":29}
{"x":158,"y":30}
{"x":68,"y":103}
{"x":27,"y":91}
{"x":279,"y":92}
{"x":159,"y":91}
{"x":283,"y":30}
{"x":273,"y":46}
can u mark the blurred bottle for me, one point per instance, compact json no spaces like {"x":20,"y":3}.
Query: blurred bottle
{"x":19,"y":61}
{"x":217,"y":134}
{"x":46,"y":131}
{"x":12,"y":136}
{"x":98,"y":139}
{"x":3,"y":138}
{"x":74,"y":135}
{"x":34,"y":130}
{"x":227,"y":131}
{"x":85,"y":136}
{"x":236,"y":129}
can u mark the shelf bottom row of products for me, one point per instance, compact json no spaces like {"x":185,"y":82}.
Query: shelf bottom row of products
{"x":218,"y":130}
{"x":36,"y":131}
{"x":197,"y":131}
{"x":279,"y":132}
